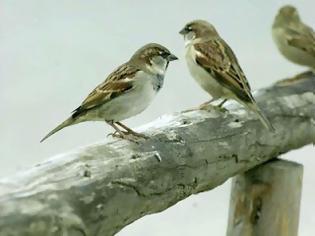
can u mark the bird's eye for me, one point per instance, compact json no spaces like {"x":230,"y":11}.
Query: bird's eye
{"x":189,"y":28}
{"x":164,"y":54}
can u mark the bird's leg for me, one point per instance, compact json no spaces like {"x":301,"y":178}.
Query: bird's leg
{"x":130,"y":131}
{"x":221,"y":104}
{"x":118,"y":132}
{"x":203,"y":106}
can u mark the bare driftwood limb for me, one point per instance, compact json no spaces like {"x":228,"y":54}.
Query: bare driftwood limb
{"x":99,"y":189}
{"x":266,"y":200}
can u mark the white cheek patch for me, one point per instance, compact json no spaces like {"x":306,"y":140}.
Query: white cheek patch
{"x":189,"y":38}
{"x":157,"y":67}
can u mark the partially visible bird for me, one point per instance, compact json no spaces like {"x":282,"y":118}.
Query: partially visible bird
{"x":126,"y":92}
{"x":294,"y":39}
{"x":215,"y":67}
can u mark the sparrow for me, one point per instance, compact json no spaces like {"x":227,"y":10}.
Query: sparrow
{"x":294,"y":39}
{"x":126,"y":92}
{"x":214,"y":66}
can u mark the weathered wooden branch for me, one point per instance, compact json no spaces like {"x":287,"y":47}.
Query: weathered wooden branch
{"x":99,"y":189}
{"x":266,"y":200}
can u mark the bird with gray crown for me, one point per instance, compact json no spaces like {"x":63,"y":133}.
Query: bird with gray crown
{"x":126,"y":92}
{"x":294,"y":39}
{"x":214,"y":66}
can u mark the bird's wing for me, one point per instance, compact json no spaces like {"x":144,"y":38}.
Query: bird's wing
{"x":302,"y":37}
{"x":116,"y":84}
{"x":218,"y":59}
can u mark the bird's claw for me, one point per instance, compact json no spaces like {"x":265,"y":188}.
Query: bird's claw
{"x":128,"y":135}
{"x":206,"y":107}
{"x":221,"y":109}
{"x":191,"y":109}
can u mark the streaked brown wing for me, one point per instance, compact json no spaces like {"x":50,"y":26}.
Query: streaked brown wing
{"x":302,"y":38}
{"x":115,"y":84}
{"x":305,"y":44}
{"x":216,"y":57}
{"x":102,"y":94}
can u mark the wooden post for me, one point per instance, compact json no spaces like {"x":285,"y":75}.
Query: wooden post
{"x":265,"y":201}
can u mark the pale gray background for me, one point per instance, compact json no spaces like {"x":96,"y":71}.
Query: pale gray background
{"x":54,"y":52}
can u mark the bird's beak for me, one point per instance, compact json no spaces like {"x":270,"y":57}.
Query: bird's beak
{"x":183,"y":31}
{"x":172,"y":57}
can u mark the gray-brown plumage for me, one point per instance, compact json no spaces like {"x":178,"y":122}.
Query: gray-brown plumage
{"x":215,"y":67}
{"x":126,"y":92}
{"x":294,"y":39}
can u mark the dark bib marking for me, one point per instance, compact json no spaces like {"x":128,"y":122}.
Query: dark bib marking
{"x":158,"y":83}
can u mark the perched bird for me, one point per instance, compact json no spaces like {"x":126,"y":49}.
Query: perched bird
{"x":294,"y":39}
{"x":214,"y":66}
{"x":126,"y":92}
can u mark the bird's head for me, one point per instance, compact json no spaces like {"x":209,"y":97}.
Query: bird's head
{"x":198,"y":29}
{"x":153,"y":57}
{"x":287,"y":14}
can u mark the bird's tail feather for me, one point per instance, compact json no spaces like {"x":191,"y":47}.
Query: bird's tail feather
{"x":66,"y":123}
{"x":264,"y":120}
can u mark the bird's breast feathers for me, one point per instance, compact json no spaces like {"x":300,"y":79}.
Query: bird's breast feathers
{"x":202,"y":77}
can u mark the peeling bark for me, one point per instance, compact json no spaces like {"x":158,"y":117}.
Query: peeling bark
{"x":99,"y":189}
